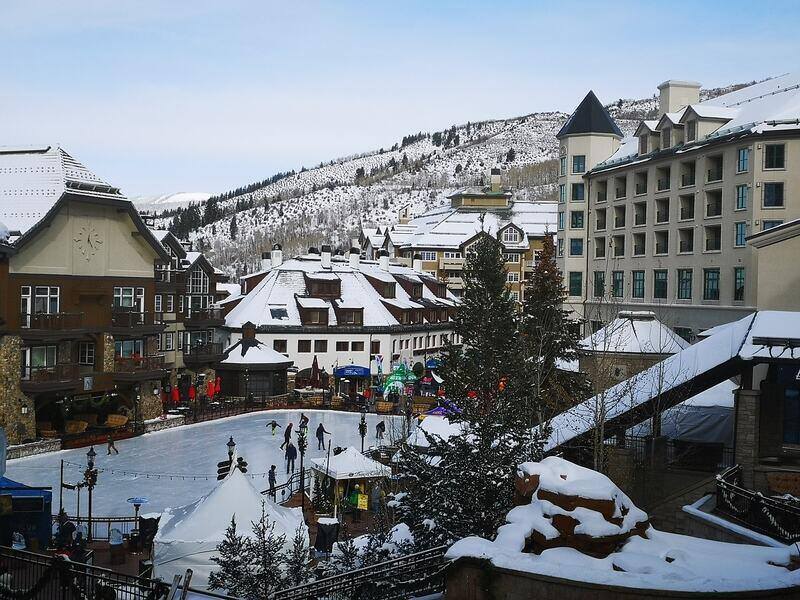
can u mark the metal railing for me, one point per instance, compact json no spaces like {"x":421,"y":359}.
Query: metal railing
{"x":138,"y":364}
{"x":416,"y":574}
{"x":204,"y":314}
{"x":714,"y":174}
{"x":775,"y":517}
{"x":662,"y":184}
{"x":291,"y":486}
{"x":709,"y":457}
{"x":45,"y":577}
{"x":50,"y":374}
{"x":132,"y":318}
{"x":51,"y":321}
{"x":227,"y":406}
{"x":102,"y":526}
{"x":209,"y":351}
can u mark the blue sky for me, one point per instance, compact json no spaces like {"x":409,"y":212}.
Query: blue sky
{"x":161,"y":97}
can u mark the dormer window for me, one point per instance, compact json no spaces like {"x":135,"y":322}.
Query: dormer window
{"x":511,"y":236}
{"x":691,"y":130}
{"x":349,"y":317}
{"x":666,"y":137}
{"x":317,"y":317}
{"x":643,"y":144}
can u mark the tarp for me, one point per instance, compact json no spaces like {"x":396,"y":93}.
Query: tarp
{"x":189,"y":535}
{"x":32,"y":520}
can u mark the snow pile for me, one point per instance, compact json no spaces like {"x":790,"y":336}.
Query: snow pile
{"x":3,"y":233}
{"x":580,"y":506}
{"x":435,"y":427}
{"x":398,"y":537}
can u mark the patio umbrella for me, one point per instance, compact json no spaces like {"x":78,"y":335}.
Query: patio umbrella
{"x":314,"y":380}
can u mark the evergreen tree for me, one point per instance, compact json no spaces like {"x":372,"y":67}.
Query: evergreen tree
{"x":298,"y":563}
{"x":233,"y":562}
{"x":511,"y":155}
{"x":266,"y":554}
{"x":234,"y":230}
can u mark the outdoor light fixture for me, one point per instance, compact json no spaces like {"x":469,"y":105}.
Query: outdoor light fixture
{"x":90,"y":456}
{"x":90,"y":480}
{"x":231,"y":445}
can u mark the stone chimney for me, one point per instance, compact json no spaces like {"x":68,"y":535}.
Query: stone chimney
{"x":674,"y":95}
{"x":276,"y":255}
{"x":266,"y":261}
{"x":326,"y":257}
{"x":383,"y":259}
{"x":417,"y":262}
{"x":354,"y":258}
{"x":249,"y":331}
{"x":494,"y":181}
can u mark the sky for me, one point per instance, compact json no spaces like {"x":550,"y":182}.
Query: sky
{"x":162,"y":97}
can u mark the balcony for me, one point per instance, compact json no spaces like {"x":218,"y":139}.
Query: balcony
{"x":126,"y":322}
{"x":455,"y":283}
{"x":50,"y":326}
{"x":641,"y":188}
{"x":453,"y":264}
{"x":50,"y":378}
{"x":620,"y":193}
{"x":686,"y":246}
{"x":601,"y":196}
{"x":202,"y":318}
{"x":169,"y":280}
{"x":687,"y":179}
{"x":714,"y":175}
{"x":199,"y":354}
{"x":662,"y":185}
{"x":138,"y":368}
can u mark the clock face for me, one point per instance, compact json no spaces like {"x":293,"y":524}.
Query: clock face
{"x":88,"y":241}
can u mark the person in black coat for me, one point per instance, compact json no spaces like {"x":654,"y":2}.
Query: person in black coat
{"x":291,"y":455}
{"x":287,"y":435}
{"x":273,"y":477}
{"x":321,"y":436}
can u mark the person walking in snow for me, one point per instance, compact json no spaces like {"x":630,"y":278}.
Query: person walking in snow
{"x":291,"y":455}
{"x":380,"y":429}
{"x":111,"y":446}
{"x":303,"y":421}
{"x":274,"y":425}
{"x":321,"y":436}
{"x":273,"y":478}
{"x":287,"y":436}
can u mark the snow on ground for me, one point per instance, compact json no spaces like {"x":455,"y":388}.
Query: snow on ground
{"x":189,"y":455}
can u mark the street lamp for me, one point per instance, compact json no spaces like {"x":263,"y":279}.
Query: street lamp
{"x":362,"y":428}
{"x":231,"y":446}
{"x":302,"y":444}
{"x":90,"y":479}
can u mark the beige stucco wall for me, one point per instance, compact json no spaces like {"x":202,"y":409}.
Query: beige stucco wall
{"x":87,"y":239}
{"x":778,"y":284}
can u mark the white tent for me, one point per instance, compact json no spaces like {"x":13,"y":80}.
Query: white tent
{"x":189,"y":535}
{"x":350,"y":464}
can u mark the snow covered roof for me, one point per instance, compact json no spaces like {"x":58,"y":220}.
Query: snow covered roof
{"x":451,"y":227}
{"x":635,"y":332}
{"x":763,"y":336}
{"x":3,"y":232}
{"x":350,"y":464}
{"x":253,"y":353}
{"x":285,"y":287}
{"x":233,"y":289}
{"x":434,"y":426}
{"x":32,"y":179}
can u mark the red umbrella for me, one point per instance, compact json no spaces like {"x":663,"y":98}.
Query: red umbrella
{"x":314,"y":381}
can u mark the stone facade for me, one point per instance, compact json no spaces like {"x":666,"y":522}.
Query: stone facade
{"x":17,"y":412}
{"x":108,"y":353}
{"x":150,"y":405}
{"x":747,"y":429}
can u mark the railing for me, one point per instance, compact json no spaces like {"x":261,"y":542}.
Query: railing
{"x":45,"y":577}
{"x":130,"y":318}
{"x":601,"y":196}
{"x":209,"y":351}
{"x":638,"y":250}
{"x":713,"y":244}
{"x":620,"y":192}
{"x":662,"y":184}
{"x":774,"y":517}
{"x":715,"y":174}
{"x":662,"y":248}
{"x":686,"y":246}
{"x":641,"y":188}
{"x":662,"y":217}
{"x":138,"y":364}
{"x":708,"y":457}
{"x":203,"y":410}
{"x":640,"y":219}
{"x":50,"y":374}
{"x":687,"y":179}
{"x":204,"y":314}
{"x":687,"y":213}
{"x":51,"y":321}
{"x":291,"y":486}
{"x":418,"y":574}
{"x":102,"y":526}
{"x":714,"y":209}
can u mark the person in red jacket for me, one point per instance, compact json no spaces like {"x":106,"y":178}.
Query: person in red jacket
{"x":218,"y":385}
{"x":210,"y":390}
{"x":192,"y":393}
{"x":176,"y":395}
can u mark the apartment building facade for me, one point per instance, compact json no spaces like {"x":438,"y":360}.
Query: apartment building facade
{"x":668,"y":213}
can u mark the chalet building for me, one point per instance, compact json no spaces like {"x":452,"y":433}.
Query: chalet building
{"x":442,"y":237}
{"x":78,"y":320}
{"x":344,"y":312}
{"x":660,"y":221}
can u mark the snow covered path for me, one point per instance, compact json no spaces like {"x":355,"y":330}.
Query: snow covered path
{"x":190,"y":454}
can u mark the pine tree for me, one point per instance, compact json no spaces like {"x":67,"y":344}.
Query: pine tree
{"x":266,"y":553}
{"x":233,"y":559}
{"x":298,"y":563}
{"x":234,"y":230}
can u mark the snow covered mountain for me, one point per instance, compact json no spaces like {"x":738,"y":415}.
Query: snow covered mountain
{"x":328,"y":203}
{"x":169,"y":201}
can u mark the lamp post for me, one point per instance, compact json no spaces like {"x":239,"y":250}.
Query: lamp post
{"x":302,"y":444}
{"x":90,"y":478}
{"x":362,"y":428}
{"x":231,"y":447}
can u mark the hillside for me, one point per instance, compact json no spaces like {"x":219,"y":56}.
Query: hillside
{"x":169,"y":201}
{"x":328,"y":203}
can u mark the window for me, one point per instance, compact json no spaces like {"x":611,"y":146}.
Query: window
{"x":575,"y":283}
{"x":684,"y":284}
{"x":617,"y":284}
{"x":562,"y":193}
{"x":38,"y":358}
{"x":170,"y":303}
{"x":773,"y":195}
{"x":774,"y":156}
{"x":600,"y":219}
{"x":560,"y":247}
{"x":304,"y":346}
{"x":666,"y":138}
{"x":320,"y":345}
{"x":280,"y":346}
{"x":278,"y":312}
{"x":742,"y":160}
{"x":739,"y":234}
{"x":691,"y":130}
{"x":562,"y":165}
{"x":198,"y":281}
{"x":660,"y":284}
{"x":577,"y":192}
{"x":643,"y":144}
{"x":350,"y":317}
{"x":576,"y":219}
{"x":514,"y":296}
{"x":579,"y":163}
{"x":45,"y":299}
{"x":512,"y":277}
{"x":342,"y":346}
{"x":561,"y":221}
{"x":375,"y":347}
{"x":169,"y":341}
{"x":576,"y":247}
{"x":685,"y":332}
{"x":738,"y":284}
{"x":599,"y":284}
{"x":511,"y":235}
{"x":741,"y":197}
{"x":129,"y":348}
{"x":129,"y":297}
{"x":428,"y":255}
{"x":769,"y":224}
{"x":157,"y":303}
{"x":452,"y":254}
{"x":86,"y":353}
{"x":710,"y":284}
{"x":638,"y":284}
{"x":600,"y":247}
{"x":511,"y":257}
{"x":357,"y":346}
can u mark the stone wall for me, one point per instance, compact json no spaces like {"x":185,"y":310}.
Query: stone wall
{"x":150,"y":405}
{"x":747,"y":450}
{"x":108,"y":353}
{"x":17,"y":411}
{"x":40,"y":447}
{"x":167,"y":423}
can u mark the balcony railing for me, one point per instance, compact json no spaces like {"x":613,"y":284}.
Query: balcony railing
{"x":51,"y":373}
{"x":715,"y":174}
{"x":662,"y":216}
{"x":686,"y":246}
{"x":620,"y":193}
{"x":601,"y":196}
{"x":638,"y":250}
{"x":641,"y":188}
{"x":130,"y":318}
{"x":51,"y":321}
{"x":138,"y":364}
{"x":204,"y":315}
{"x":687,"y":213}
{"x":663,"y":184}
{"x":714,"y":209}
{"x":687,"y":179}
{"x":202,"y":352}
{"x":713,"y":244}
{"x":662,"y":248}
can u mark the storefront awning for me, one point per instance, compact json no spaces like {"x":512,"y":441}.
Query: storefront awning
{"x":351,"y":371}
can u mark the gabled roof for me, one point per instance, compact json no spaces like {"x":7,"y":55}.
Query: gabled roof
{"x":254,"y":353}
{"x":589,"y":117}
{"x":635,"y":332}
{"x":672,"y":119}
{"x":649,"y":126}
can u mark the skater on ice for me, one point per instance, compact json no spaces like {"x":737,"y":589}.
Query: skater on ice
{"x":321,"y":436}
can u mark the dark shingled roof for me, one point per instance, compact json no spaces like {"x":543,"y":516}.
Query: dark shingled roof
{"x":589,"y":117}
